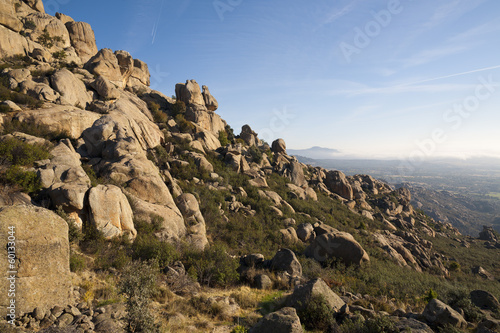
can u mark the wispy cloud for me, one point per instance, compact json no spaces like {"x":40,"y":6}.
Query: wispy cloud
{"x":429,"y":88}
{"x":460,"y":42}
{"x":337,"y":13}
{"x":414,"y":86}
{"x":430,"y":55}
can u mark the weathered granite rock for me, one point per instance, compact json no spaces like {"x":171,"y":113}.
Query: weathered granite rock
{"x":42,"y":259}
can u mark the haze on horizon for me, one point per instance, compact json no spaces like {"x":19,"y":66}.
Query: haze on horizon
{"x":384,"y":79}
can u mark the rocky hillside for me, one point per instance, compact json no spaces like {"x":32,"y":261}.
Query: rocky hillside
{"x":465,"y":213}
{"x":123,"y":209}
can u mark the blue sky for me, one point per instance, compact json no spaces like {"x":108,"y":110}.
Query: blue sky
{"x":388,"y":78}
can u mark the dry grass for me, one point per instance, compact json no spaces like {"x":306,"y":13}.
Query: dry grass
{"x":188,"y":314}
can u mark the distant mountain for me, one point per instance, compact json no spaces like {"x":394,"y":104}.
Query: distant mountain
{"x":315,"y":152}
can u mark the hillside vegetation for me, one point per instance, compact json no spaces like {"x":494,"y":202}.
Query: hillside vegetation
{"x":137,"y":212}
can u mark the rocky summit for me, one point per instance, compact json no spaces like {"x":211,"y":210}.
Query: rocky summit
{"x":125,"y":210}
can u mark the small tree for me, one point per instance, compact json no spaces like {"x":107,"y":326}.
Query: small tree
{"x":430,"y":295}
{"x":138,"y":283}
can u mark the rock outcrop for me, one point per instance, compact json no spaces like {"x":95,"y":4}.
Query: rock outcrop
{"x":65,"y":181}
{"x":438,"y":313}
{"x":196,"y":230}
{"x":41,"y":263}
{"x":331,"y":243}
{"x":110,"y":212}
{"x":281,"y":321}
{"x":303,"y":294}
{"x":82,"y":38}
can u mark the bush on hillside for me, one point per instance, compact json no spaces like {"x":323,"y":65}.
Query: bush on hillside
{"x":138,"y":284}
{"x":212,"y":267}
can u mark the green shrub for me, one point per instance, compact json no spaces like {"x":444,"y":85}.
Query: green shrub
{"x":239,"y":329}
{"x":230,"y":133}
{"x":223,"y":138}
{"x":29,"y":24}
{"x":94,"y":180}
{"x":158,"y":115}
{"x":5,"y":108}
{"x":459,"y":299}
{"x":59,"y":55}
{"x":185,"y":126}
{"x":375,"y":325}
{"x":38,"y":130}
{"x":138,"y":284}
{"x":16,"y":97}
{"x":27,"y":180}
{"x":147,"y":246}
{"x":48,"y":41}
{"x":256,"y":154}
{"x":76,"y":262}
{"x":454,"y":266}
{"x":17,"y":152}
{"x":179,"y":107}
{"x":430,"y":295}
{"x":318,"y":315}
{"x":213,"y":266}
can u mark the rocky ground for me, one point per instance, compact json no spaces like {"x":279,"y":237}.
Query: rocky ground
{"x":134,"y":211}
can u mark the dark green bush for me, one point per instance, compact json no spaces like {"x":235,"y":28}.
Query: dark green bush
{"x":17,"y":152}
{"x":318,"y":315}
{"x":37,"y":130}
{"x":59,"y":55}
{"x":47,"y":40}
{"x":223,"y":138}
{"x":185,"y":126}
{"x":27,"y":180}
{"x":430,"y":295}
{"x":178,"y":108}
{"x":138,"y":284}
{"x":230,"y":133}
{"x":375,"y":325}
{"x":76,"y":262}
{"x":16,"y":97}
{"x":29,"y":24}
{"x":256,"y":154}
{"x":212,"y":267}
{"x":459,"y":299}
{"x":147,"y":246}
{"x":158,"y":115}
{"x":5,"y":109}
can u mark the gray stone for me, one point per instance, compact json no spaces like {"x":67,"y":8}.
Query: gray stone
{"x":484,"y":300}
{"x":303,"y":294}
{"x":285,"y":320}
{"x":285,"y":260}
{"x":438,"y":313}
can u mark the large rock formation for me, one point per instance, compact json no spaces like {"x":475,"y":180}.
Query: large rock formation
{"x":303,"y":294}
{"x":72,"y":89}
{"x":331,"y":243}
{"x":200,"y":107}
{"x":189,"y":93}
{"x":197,"y":234}
{"x":82,"y":39}
{"x":41,"y":263}
{"x":110,"y":212}
{"x":65,"y":181}
{"x":438,"y":313}
{"x":60,"y":118}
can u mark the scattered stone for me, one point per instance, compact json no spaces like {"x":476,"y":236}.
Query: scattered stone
{"x":285,"y":260}
{"x":484,"y":300}
{"x":438,"y":313}
{"x":285,"y":320}
{"x":303,"y":294}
